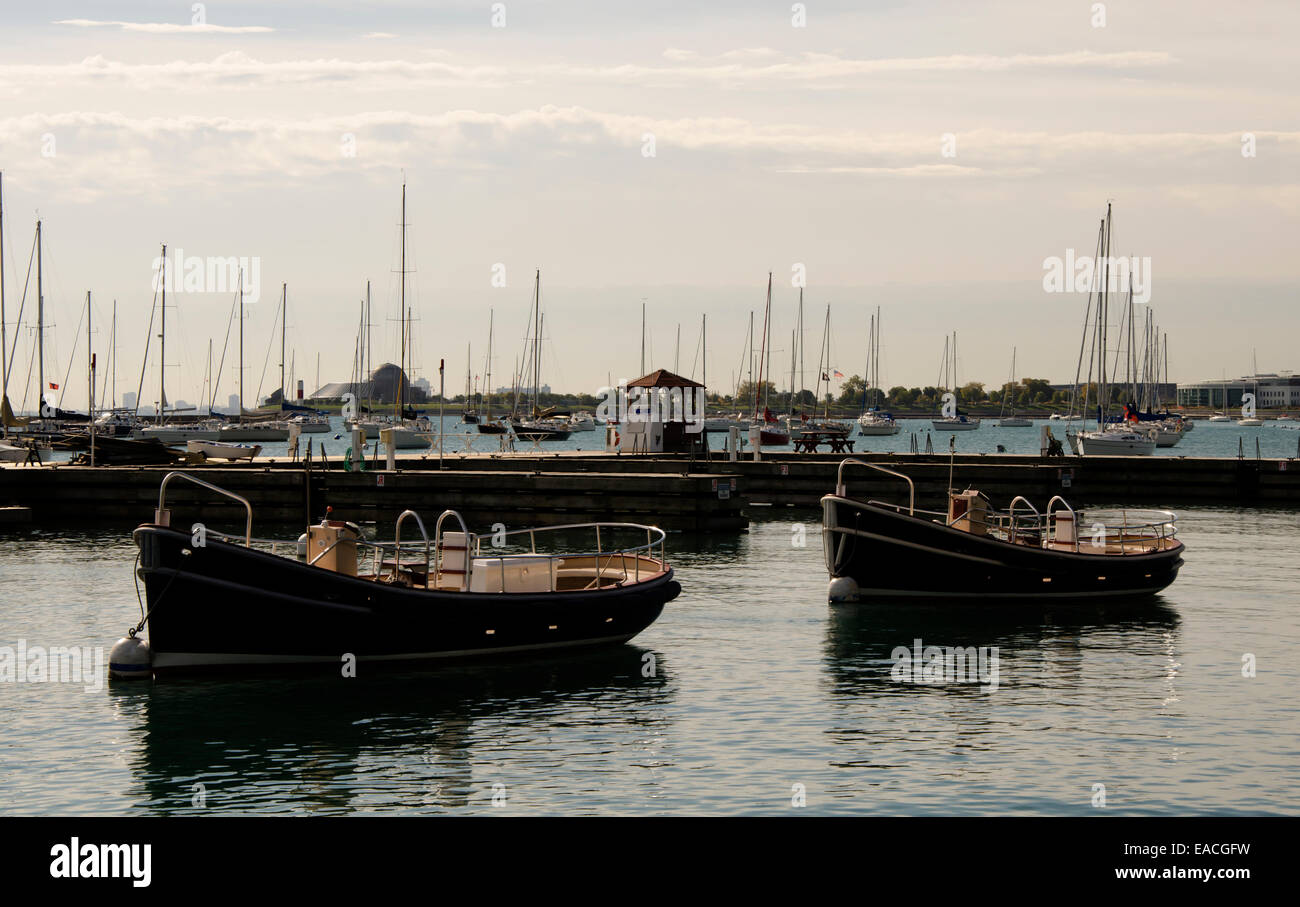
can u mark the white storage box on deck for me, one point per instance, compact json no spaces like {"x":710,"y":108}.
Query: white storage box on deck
{"x":1065,"y":529}
{"x":524,"y":573}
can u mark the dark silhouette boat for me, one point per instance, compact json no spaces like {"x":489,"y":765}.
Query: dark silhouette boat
{"x":881,"y":551}
{"x":214,"y":601}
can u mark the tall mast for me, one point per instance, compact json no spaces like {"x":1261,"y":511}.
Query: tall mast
{"x":704,"y":342}
{"x":90,"y":366}
{"x":365,"y":369}
{"x":762,"y":352}
{"x":241,"y":344}
{"x":643,"y":337}
{"x":162,"y":348}
{"x":284,"y":318}
{"x":114,"y":354}
{"x":487,"y":373}
{"x":40,"y":325}
{"x":401,"y":369}
{"x":537,"y":339}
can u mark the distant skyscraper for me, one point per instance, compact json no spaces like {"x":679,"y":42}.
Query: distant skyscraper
{"x":232,"y":404}
{"x":128,"y":401}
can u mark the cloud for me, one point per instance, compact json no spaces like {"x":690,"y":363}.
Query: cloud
{"x":98,"y":153}
{"x":167,"y":28}
{"x":748,"y":68}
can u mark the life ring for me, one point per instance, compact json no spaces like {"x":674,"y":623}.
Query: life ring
{"x":616,"y":437}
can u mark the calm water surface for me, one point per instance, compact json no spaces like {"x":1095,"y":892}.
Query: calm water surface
{"x":758,"y":686}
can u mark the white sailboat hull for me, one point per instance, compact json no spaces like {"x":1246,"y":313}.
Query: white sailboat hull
{"x":223,"y":450}
{"x":1115,"y":444}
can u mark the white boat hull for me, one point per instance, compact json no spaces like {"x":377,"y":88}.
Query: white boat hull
{"x":223,"y":450}
{"x":1115,"y":444}
{"x":174,"y":435}
{"x":252,"y":433}
{"x":955,"y":424}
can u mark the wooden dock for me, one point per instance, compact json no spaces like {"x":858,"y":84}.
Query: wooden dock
{"x":673,"y":492}
{"x":515,"y":495}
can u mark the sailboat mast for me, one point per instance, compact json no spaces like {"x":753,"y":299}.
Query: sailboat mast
{"x":114,"y":354}
{"x":162,"y":346}
{"x":704,"y":343}
{"x":90,"y":366}
{"x":487,"y":372}
{"x":537,"y":338}
{"x":401,"y":369}
{"x":365,"y":369}
{"x":40,"y":326}
{"x":284,"y":318}
{"x":241,"y":344}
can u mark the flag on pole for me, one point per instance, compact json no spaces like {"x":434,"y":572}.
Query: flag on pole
{"x":839,"y":374}
{"x":53,"y":386}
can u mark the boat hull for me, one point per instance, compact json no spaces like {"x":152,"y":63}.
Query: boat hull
{"x":223,"y":606}
{"x":891,"y":555}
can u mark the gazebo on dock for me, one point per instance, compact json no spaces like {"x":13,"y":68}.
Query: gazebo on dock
{"x":660,"y":405}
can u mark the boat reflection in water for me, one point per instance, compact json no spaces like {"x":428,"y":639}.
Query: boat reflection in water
{"x":382,"y":741}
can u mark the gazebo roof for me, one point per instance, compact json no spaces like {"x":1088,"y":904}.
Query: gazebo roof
{"x":663,"y":378}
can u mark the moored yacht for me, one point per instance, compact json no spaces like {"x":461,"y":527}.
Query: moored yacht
{"x":879,"y":551}
{"x":338,"y":596}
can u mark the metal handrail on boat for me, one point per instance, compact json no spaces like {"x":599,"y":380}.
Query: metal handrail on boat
{"x":841,"y":490}
{"x":438,"y":548}
{"x":622,"y":553}
{"x":397,"y":542}
{"x":1050,"y":535}
{"x":161,"y":513}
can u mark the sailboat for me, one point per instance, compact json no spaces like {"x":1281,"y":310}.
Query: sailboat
{"x":469,"y":413}
{"x":1107,"y":441}
{"x":161,"y":430}
{"x":486,"y":424}
{"x":1012,"y":421}
{"x":769,"y":427}
{"x":1248,"y":417}
{"x":541,"y":424}
{"x":959,"y":421}
{"x":251,"y":427}
{"x":406,"y":433}
{"x":826,"y":426}
{"x":873,"y":422}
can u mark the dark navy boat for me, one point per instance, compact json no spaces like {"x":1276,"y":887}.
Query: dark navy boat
{"x":215,"y":601}
{"x":879,"y":551}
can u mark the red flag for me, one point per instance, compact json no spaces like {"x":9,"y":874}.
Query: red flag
{"x":53,"y":386}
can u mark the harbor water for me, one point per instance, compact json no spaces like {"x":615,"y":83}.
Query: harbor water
{"x":749,"y":695}
{"x":1208,"y":439}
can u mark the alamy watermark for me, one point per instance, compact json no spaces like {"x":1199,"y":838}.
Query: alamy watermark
{"x":652,"y":404}
{"x":208,"y":274}
{"x":1084,"y":274}
{"x":56,"y":664}
{"x":946,"y":664}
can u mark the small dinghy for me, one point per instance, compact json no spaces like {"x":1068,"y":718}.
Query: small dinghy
{"x":213,"y":601}
{"x":223,"y":450}
{"x":878,"y":551}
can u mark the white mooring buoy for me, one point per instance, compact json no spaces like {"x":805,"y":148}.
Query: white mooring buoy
{"x":129,"y":658}
{"x":843,"y":589}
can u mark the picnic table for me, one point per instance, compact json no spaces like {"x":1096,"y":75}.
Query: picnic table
{"x":811,"y":440}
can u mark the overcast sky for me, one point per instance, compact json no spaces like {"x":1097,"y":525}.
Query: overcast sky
{"x":926,"y":157}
